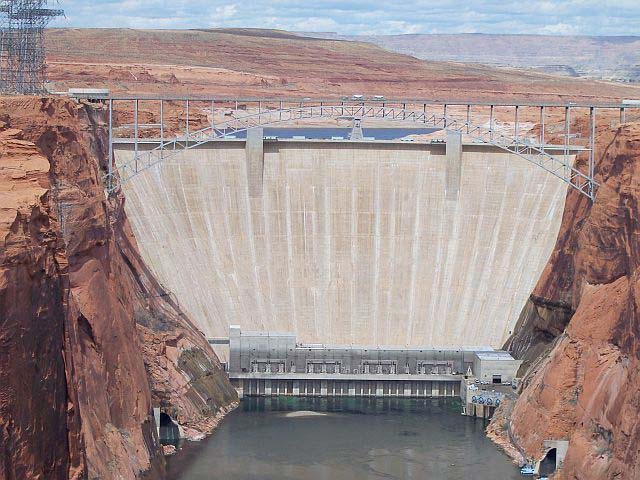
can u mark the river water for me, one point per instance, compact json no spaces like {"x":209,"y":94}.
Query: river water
{"x":344,"y":439}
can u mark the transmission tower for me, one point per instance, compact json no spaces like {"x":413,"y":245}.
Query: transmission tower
{"x":22,"y":59}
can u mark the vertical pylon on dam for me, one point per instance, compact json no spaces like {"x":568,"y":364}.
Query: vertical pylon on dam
{"x":348,"y":242}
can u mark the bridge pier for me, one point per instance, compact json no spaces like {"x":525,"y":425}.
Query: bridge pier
{"x":254,"y":151}
{"x":454,"y":165}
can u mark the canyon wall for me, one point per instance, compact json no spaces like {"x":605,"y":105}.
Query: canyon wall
{"x":89,"y":341}
{"x":580,"y":331}
{"x":344,"y":242}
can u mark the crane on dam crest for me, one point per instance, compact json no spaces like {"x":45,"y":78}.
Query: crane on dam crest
{"x":153,"y":143}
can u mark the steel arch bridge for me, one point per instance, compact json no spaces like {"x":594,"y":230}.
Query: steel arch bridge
{"x":242,"y":120}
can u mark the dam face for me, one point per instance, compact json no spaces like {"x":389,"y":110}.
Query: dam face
{"x":348,"y":242}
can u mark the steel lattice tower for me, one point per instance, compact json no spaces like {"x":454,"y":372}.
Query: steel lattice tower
{"x":22,"y":58}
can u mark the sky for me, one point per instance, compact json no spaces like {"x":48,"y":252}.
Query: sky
{"x":354,"y":17}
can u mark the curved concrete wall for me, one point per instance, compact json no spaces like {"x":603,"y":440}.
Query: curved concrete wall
{"x":349,"y":242}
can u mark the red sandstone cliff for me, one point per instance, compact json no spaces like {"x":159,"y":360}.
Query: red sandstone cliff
{"x":89,"y":342}
{"x":580,"y":332}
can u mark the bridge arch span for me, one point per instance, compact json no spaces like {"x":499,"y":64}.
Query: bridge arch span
{"x":561,"y":166}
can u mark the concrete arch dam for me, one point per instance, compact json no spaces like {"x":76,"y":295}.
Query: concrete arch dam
{"x":341,"y":242}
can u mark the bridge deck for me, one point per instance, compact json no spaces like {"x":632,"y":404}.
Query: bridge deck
{"x":386,"y":101}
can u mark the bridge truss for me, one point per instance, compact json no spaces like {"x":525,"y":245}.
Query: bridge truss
{"x":153,"y":143}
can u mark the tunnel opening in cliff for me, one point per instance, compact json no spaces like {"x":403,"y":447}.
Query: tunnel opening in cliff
{"x":348,"y":242}
{"x":169,"y":430}
{"x":548,"y":463}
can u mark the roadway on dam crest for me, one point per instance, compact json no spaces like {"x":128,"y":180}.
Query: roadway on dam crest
{"x":348,"y":242}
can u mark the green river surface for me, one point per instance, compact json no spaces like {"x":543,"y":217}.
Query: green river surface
{"x":290,"y":438}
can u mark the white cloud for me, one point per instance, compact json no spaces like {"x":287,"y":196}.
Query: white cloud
{"x":315,"y":24}
{"x":226,"y":12}
{"x":400,"y":27}
{"x":560,"y":29}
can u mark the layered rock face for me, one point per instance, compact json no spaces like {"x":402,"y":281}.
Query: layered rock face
{"x":585,"y":385}
{"x":78,"y":376}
